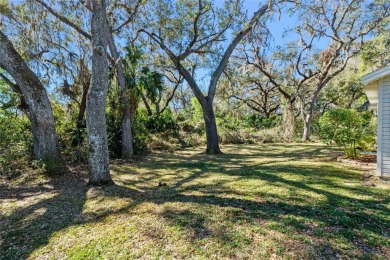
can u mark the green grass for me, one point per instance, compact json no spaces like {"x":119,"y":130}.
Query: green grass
{"x":289,"y":201}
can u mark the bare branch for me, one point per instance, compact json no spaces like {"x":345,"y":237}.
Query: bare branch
{"x":132,"y":13}
{"x":64,"y":19}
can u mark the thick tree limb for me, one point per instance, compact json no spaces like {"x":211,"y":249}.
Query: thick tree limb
{"x":225,"y":58}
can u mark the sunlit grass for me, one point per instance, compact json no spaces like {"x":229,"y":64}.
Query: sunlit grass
{"x":258,"y":201}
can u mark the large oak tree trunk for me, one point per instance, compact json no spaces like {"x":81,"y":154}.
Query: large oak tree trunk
{"x":306,"y":127}
{"x":309,"y":115}
{"x":288,"y":120}
{"x":211,"y":129}
{"x":99,"y":173}
{"x":39,"y":109}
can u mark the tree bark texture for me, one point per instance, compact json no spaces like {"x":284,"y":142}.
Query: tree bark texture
{"x":307,"y":127}
{"x":211,"y":129}
{"x":98,"y":158}
{"x":288,"y":120}
{"x":309,"y":114}
{"x":39,"y":110}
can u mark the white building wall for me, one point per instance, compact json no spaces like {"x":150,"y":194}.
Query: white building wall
{"x":383,"y":161}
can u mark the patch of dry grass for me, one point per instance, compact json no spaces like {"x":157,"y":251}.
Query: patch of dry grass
{"x":276,"y":201}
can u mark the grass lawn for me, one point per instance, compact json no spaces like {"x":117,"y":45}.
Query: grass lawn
{"x":269,"y":201}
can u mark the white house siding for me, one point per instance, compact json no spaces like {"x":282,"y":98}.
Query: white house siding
{"x":384,"y":127}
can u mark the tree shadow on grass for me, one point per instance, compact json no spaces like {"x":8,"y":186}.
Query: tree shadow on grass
{"x":326,"y":181}
{"x":30,"y":227}
{"x":193,"y":223}
{"x":289,"y":216}
{"x":345,"y":208}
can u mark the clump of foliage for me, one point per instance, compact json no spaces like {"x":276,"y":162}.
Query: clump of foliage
{"x":155,"y":131}
{"x":349,"y":129}
{"x":231,"y":128}
{"x":15,"y":134}
{"x":72,"y":137}
{"x":270,"y":135}
{"x":15,"y":143}
{"x":260,"y":122}
{"x":190,"y":123}
{"x":160,"y":123}
{"x":49,"y":165}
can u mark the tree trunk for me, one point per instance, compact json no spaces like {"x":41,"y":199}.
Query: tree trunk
{"x":288,"y":120}
{"x":309,"y":115}
{"x":39,"y":109}
{"x":127,"y":135}
{"x":306,"y":127}
{"x":99,"y":173}
{"x":83,"y":106}
{"x":266,"y":114}
{"x":211,"y":128}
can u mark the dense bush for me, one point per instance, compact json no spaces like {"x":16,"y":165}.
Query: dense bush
{"x":270,"y":135}
{"x":259,"y":122}
{"x":164,"y":122}
{"x":114,"y":135}
{"x":15,"y":142}
{"x":72,"y":139}
{"x":349,"y":129}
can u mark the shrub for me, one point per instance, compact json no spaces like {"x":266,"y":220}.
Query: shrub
{"x":270,"y":135}
{"x":144,"y":126}
{"x":49,"y":165}
{"x":349,"y":129}
{"x":163,"y":122}
{"x":15,"y":143}
{"x":186,"y":139}
{"x":227,"y":136}
{"x":114,"y":135}
{"x":72,"y":139}
{"x":259,"y":122}
{"x":14,"y":160}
